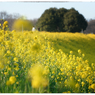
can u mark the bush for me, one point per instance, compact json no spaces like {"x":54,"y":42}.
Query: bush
{"x":21,"y":25}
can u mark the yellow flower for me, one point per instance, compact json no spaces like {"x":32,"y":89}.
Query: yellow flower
{"x":71,"y":52}
{"x":6,"y":22}
{"x":90,"y":81}
{"x":46,"y":71}
{"x":16,"y":75}
{"x":36,"y":83}
{"x":82,"y":83}
{"x":17,"y":82}
{"x":12,"y":79}
{"x":5,"y":73}
{"x":86,"y":61}
{"x":93,"y":86}
{"x":8,"y":83}
{"x":6,"y":25}
{"x":17,"y":68}
{"x":44,"y":82}
{"x":92,"y":65}
{"x":16,"y":64}
{"x":71,"y":77}
{"x":77,"y":85}
{"x":13,"y":31}
{"x":57,"y":77}
{"x":52,"y":76}
{"x":79,"y":51}
{"x":88,"y":68}
{"x":53,"y":72}
{"x":15,"y":59}
{"x":83,"y":76}
{"x":35,"y":37}
{"x":89,"y":87}
{"x":36,"y":47}
{"x":13,"y":73}
{"x":62,"y":69}
{"x":37,"y":74}
{"x":39,"y":81}
{"x":8,"y":51}
{"x":83,"y":55}
{"x":9,"y":69}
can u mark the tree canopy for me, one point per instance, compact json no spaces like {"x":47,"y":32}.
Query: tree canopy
{"x":62,"y":20}
{"x":48,"y":20}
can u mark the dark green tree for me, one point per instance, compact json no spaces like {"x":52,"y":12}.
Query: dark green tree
{"x":61,"y":20}
{"x":61,"y":12}
{"x":47,"y":21}
{"x":74,"y":22}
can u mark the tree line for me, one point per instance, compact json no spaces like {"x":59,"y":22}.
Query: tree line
{"x":56,"y":20}
{"x":9,"y":17}
{"x":91,"y":27}
{"x":13,"y":18}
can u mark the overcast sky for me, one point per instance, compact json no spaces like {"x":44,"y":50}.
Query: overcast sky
{"x":34,"y":10}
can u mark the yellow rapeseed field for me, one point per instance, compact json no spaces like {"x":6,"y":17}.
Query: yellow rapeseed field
{"x":33,"y":62}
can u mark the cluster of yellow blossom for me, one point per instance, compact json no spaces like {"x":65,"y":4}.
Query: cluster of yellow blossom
{"x":5,"y":24}
{"x":11,"y":80}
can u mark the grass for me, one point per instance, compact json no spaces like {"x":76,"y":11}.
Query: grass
{"x":72,"y":42}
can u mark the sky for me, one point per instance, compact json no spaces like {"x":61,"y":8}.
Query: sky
{"x":35,"y":9}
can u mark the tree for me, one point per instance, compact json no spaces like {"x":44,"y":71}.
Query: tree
{"x":74,"y":22}
{"x":61,"y":12}
{"x":91,"y":27}
{"x":22,"y":24}
{"x":5,"y":15}
{"x":34,"y":21}
{"x":48,"y":20}
{"x":62,"y":20}
{"x":8,"y":17}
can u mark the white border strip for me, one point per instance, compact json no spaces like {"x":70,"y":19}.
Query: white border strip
{"x":49,"y":0}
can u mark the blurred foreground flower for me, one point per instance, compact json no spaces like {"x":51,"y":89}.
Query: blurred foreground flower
{"x":93,"y":86}
{"x":38,"y":79}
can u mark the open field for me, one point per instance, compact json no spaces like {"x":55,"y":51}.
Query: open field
{"x":43,"y":62}
{"x":74,"y":41}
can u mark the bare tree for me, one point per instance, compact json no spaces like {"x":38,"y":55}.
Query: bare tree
{"x":9,"y":17}
{"x":3,"y":15}
{"x":91,"y":27}
{"x":34,"y":21}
